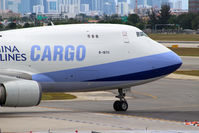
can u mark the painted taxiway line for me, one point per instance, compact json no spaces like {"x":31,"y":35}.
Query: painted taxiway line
{"x":115,"y":114}
{"x":144,"y":94}
{"x":184,"y":77}
{"x":46,"y":107}
{"x":142,"y":117}
{"x":89,"y":122}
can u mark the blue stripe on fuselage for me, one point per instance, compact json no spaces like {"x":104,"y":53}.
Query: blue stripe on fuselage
{"x":141,"y":75}
{"x":133,"y":69}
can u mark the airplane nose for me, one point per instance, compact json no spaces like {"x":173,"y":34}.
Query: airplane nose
{"x":174,"y":60}
{"x":169,"y":63}
{"x":165,"y":64}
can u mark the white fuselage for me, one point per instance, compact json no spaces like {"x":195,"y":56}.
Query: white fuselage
{"x":84,"y":57}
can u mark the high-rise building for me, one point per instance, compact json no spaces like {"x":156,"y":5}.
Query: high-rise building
{"x":194,"y":6}
{"x":132,"y":4}
{"x":52,"y":6}
{"x":35,"y":3}
{"x":45,"y":4}
{"x":178,"y":4}
{"x":38,"y":9}
{"x":69,"y":7}
{"x":13,"y":5}
{"x":122,"y":7}
{"x":171,"y":4}
{"x":3,"y":4}
{"x":89,"y":2}
{"x":38,"y":6}
{"x":145,"y":3}
{"x":99,"y":6}
{"x":84,"y":1}
{"x":74,"y":6}
{"x":24,"y":6}
{"x":159,"y":3}
{"x":156,"y":3}
{"x":62,"y":7}
{"x":109,"y":7}
{"x":84,"y":8}
{"x":140,"y":2}
{"x":96,"y":5}
{"x":150,"y":2}
{"x":164,"y":2}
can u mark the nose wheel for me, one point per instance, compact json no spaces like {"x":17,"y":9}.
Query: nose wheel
{"x":120,"y":105}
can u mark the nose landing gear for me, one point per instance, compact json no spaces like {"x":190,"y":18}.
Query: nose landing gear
{"x":120,"y":105}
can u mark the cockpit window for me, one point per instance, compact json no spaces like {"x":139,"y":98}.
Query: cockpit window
{"x":140,"y":34}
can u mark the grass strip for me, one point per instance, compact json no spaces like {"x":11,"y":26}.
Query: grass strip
{"x":175,"y":37}
{"x":188,"y":72}
{"x":186,"y":51}
{"x":57,"y":96}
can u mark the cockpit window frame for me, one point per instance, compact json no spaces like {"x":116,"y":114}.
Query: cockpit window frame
{"x":141,"y":34}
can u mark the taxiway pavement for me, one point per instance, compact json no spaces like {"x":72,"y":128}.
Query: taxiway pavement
{"x":161,"y":105}
{"x":190,"y":63}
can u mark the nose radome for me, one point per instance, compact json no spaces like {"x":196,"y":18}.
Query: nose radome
{"x":175,"y":60}
{"x":166,"y":63}
{"x":172,"y":62}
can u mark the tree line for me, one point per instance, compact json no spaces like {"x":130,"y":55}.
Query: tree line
{"x":184,"y":21}
{"x":159,"y":19}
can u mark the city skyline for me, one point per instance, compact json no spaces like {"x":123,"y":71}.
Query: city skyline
{"x":88,"y":7}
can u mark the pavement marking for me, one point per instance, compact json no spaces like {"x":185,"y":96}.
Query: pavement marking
{"x":114,"y":114}
{"x":87,"y":122}
{"x":146,"y":118}
{"x":123,"y":115}
{"x":189,"y":106}
{"x":182,"y":76}
{"x":145,"y":94}
{"x":55,"y":108}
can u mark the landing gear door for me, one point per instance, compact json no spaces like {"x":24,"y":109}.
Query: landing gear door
{"x":125,"y":37}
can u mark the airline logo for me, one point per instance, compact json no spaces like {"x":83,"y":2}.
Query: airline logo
{"x":11,"y":53}
{"x":58,"y":53}
{"x":44,"y":53}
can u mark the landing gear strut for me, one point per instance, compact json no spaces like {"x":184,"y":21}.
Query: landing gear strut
{"x":120,"y":105}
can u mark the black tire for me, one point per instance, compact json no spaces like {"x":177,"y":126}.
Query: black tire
{"x":117,"y":106}
{"x":123,"y":106}
{"x":120,"y":106}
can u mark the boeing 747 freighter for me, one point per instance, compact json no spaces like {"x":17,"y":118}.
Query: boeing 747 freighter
{"x":78,"y":58}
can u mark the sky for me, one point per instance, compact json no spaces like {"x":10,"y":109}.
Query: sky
{"x":185,"y":4}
